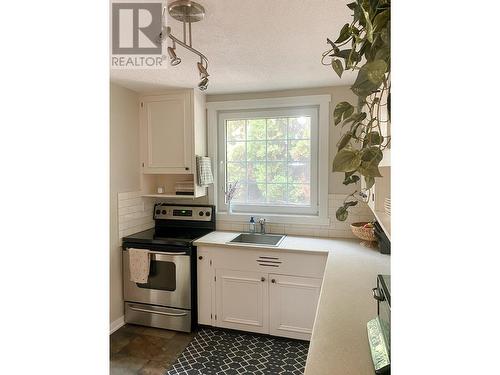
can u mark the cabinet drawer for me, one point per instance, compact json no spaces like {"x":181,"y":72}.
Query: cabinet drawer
{"x":279,"y":262}
{"x":159,"y":317}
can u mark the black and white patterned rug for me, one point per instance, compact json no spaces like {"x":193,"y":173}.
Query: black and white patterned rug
{"x":217,"y":351}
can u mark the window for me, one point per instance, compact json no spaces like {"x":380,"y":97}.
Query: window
{"x":273,"y":156}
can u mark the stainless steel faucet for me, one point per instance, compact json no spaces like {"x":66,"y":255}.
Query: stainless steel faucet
{"x":262,"y":223}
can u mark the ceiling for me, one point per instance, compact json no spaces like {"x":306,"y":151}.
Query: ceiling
{"x":252,"y":46}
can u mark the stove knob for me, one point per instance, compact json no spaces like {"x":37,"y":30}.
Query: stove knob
{"x":158,"y":212}
{"x":200,"y":213}
{"x":207,"y":213}
{"x":163,"y":212}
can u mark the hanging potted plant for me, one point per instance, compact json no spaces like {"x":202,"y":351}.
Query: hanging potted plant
{"x":363,"y":46}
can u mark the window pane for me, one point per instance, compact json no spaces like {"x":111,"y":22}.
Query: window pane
{"x":276,"y":150}
{"x":256,"y":172}
{"x":271,"y":160}
{"x":256,"y":150}
{"x":299,"y":150}
{"x":299,"y":127}
{"x":276,"y":172}
{"x":236,"y":172}
{"x":256,"y":129}
{"x":276,"y":128}
{"x":299,"y":173}
{"x":241,"y":193}
{"x":235,"y":130}
{"x":256,"y":192}
{"x":236,"y":151}
{"x":299,"y":194}
{"x":276,"y":193}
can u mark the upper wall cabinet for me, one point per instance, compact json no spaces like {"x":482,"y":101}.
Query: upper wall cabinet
{"x":173,"y":132}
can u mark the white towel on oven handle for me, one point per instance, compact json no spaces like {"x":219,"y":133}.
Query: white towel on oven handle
{"x":139,"y":265}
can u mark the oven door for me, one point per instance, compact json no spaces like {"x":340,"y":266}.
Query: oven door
{"x":169,"y":281}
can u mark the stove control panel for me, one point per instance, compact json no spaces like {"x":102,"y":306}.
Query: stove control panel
{"x":167,"y":212}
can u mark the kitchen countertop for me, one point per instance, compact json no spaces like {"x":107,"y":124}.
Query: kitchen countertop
{"x":290,"y":243}
{"x":339,"y":343}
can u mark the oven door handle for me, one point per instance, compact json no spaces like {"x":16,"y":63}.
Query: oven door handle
{"x":166,"y":253}
{"x":157,"y":312}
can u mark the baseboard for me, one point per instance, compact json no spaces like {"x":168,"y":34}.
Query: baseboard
{"x":116,"y":324}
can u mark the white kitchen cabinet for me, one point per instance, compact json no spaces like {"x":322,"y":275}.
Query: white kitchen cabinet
{"x":173,"y":132}
{"x":242,"y":300}
{"x":292,"y":305}
{"x":258,"y":290}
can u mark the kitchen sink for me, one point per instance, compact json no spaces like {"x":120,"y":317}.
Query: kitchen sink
{"x":258,"y":239}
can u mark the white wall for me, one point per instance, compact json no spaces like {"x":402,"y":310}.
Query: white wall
{"x":124,"y":177}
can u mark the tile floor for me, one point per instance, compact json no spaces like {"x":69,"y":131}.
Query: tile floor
{"x":215,"y":351}
{"x":142,"y":350}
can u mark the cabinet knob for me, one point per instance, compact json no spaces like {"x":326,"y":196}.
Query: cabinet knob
{"x":200,"y":257}
{"x":262,"y":279}
{"x":187,"y":168}
{"x":273,"y":281}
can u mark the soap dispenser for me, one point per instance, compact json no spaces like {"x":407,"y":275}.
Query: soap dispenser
{"x":252,"y":225}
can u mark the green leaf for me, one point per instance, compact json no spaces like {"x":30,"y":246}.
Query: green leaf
{"x":369,"y":169}
{"x":384,"y":53}
{"x":344,"y":141}
{"x":376,"y":71}
{"x":368,"y":25}
{"x":370,"y":181}
{"x":341,"y":214}
{"x":369,"y":78}
{"x":344,"y":34}
{"x":337,"y":66}
{"x":374,"y":138}
{"x":381,"y":20}
{"x":372,"y":153}
{"x":351,"y":6}
{"x":356,"y":118}
{"x":385,"y":34}
{"x":354,"y":129}
{"x":346,"y":160}
{"x":342,"y":111}
{"x":350,"y":203}
{"x":350,"y":178}
{"x":352,"y":59}
{"x":370,"y":159}
{"x":344,"y":54}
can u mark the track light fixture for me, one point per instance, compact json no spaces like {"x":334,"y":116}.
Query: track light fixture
{"x":187,"y":12}
{"x":202,"y":70}
{"x":203,"y":85}
{"x":174,"y":60}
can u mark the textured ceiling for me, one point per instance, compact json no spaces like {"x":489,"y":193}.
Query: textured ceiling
{"x":253,"y":45}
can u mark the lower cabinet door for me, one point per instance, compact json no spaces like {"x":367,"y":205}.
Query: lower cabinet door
{"x":293,"y":302}
{"x":242,"y":300}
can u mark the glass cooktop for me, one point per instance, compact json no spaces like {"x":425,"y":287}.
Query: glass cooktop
{"x":177,"y":236}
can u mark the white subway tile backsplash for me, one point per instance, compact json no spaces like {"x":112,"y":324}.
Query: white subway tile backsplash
{"x":275,"y":228}
{"x":129,"y":195}
{"x":130,"y":202}
{"x":360,"y":212}
{"x":131,"y":209}
{"x":135,"y":213}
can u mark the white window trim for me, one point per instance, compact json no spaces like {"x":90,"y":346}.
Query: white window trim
{"x":322,"y":102}
{"x":311,"y":112}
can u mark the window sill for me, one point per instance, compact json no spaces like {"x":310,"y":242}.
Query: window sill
{"x":274,"y":218}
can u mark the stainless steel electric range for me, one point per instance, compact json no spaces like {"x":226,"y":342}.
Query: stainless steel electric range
{"x":168,"y":299}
